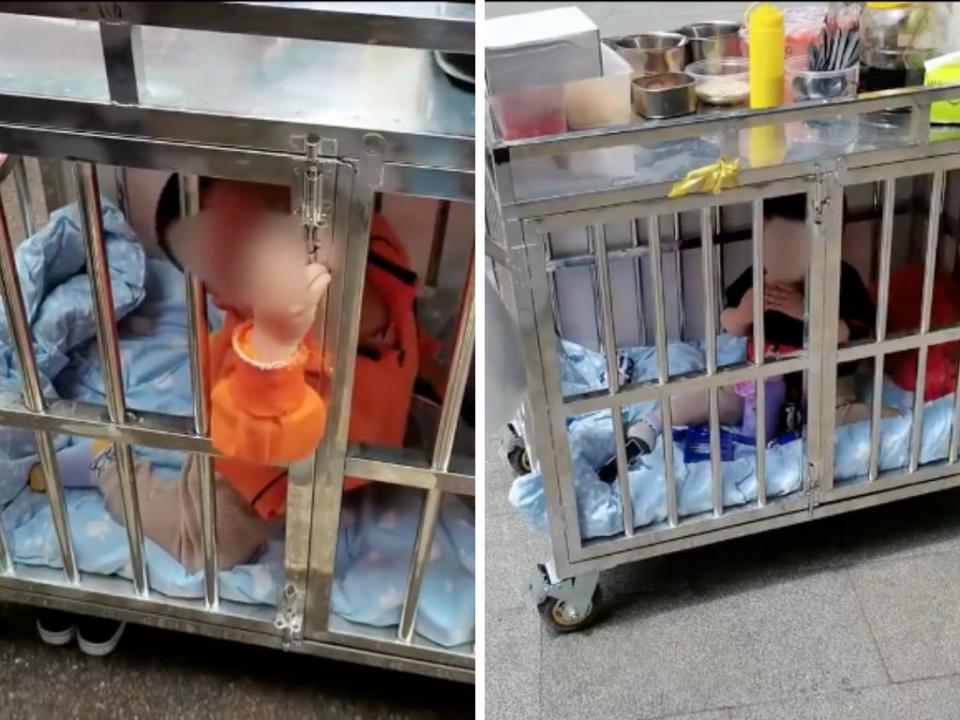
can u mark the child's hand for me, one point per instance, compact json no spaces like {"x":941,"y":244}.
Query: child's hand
{"x":784,"y":298}
{"x":737,"y":320}
{"x":285,"y":289}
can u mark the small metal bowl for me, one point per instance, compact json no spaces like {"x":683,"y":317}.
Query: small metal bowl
{"x":665,"y":95}
{"x":652,"y":53}
{"x":711,"y":40}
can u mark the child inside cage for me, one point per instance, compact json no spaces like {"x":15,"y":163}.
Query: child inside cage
{"x":786,"y":259}
{"x":267,"y":374}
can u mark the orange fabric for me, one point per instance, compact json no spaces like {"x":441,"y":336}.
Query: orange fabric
{"x":903,"y":315}
{"x":262,"y":417}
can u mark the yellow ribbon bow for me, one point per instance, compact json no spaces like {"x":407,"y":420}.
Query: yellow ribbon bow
{"x":709,"y":178}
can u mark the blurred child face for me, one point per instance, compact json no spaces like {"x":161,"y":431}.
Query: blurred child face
{"x":234,"y":208}
{"x":786,"y":249}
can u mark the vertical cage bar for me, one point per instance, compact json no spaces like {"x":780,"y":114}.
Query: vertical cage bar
{"x":678,"y":271}
{"x":613,"y":372}
{"x":955,"y":430}
{"x":659,"y":315}
{"x":199,"y":346}
{"x":440,"y":224}
{"x":759,"y":345}
{"x":442,"y":452}
{"x":19,"y":329}
{"x":710,"y":344}
{"x":24,"y":198}
{"x":123,"y":192}
{"x":121,"y":56}
{"x":929,"y":271}
{"x":883,"y":301}
{"x":663,"y":368}
{"x":107,"y":340}
{"x":638,"y":283}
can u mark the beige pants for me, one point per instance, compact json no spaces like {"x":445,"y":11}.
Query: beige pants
{"x":170,"y":513}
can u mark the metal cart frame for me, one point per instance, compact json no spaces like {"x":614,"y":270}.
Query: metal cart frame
{"x":335,"y":172}
{"x":519,"y":227}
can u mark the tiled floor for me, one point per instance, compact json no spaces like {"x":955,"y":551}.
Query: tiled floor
{"x":852,"y":618}
{"x":156,"y":675}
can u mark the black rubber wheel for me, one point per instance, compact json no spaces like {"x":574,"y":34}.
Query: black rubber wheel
{"x":519,"y":460}
{"x":557,"y":614}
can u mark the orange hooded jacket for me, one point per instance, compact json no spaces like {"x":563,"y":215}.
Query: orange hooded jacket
{"x":264,"y":415}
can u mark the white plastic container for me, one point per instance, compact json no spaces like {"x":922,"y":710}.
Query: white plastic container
{"x":600,"y":101}
{"x":542,"y":48}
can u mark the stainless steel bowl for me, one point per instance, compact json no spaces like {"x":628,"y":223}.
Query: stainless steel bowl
{"x":712,"y":39}
{"x":664,"y":96}
{"x":653,"y":53}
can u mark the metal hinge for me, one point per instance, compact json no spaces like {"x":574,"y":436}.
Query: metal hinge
{"x":290,"y":610}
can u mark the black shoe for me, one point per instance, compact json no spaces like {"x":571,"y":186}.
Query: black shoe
{"x":635,"y":448}
{"x":56,"y":628}
{"x":98,"y":636}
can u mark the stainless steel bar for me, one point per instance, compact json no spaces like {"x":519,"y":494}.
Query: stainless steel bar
{"x":955,"y":430}
{"x":710,"y":344}
{"x":822,"y":326}
{"x":108,"y":342}
{"x":428,"y":26}
{"x":663,"y":368}
{"x":659,"y":315}
{"x":883,"y":301}
{"x":421,"y":556}
{"x":579,"y":404}
{"x":24,"y":196}
{"x":613,"y":372}
{"x":198,"y":340}
{"x":170,"y":432}
{"x":121,"y":55}
{"x":698,"y":125}
{"x":898,"y":344}
{"x":441,"y":221}
{"x":63,"y":120}
{"x":929,"y":271}
{"x":460,"y":364}
{"x":446,"y":430}
{"x":678,"y":271}
{"x":319,"y":483}
{"x":638,"y":282}
{"x":19,"y":330}
{"x":708,"y":278}
{"x":123,"y":193}
{"x":759,"y":350}
{"x":410,"y":469}
{"x":718,"y":264}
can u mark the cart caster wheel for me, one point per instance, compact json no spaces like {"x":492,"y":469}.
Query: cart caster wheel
{"x":519,"y":461}
{"x":517,"y":454}
{"x":561,"y":616}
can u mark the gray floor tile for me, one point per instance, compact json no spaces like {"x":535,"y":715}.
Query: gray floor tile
{"x":513,"y":551}
{"x":937,"y":699}
{"x":513,"y":547}
{"x":672,"y":654}
{"x":513,"y":666}
{"x":913,"y":606}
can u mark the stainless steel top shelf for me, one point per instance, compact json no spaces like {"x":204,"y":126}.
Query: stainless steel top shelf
{"x":447,"y":26}
{"x":604,"y":166}
{"x":254,"y":91}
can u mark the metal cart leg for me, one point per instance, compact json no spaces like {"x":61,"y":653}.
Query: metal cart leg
{"x":565,"y":604}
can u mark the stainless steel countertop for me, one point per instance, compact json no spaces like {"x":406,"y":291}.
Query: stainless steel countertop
{"x":398,"y":90}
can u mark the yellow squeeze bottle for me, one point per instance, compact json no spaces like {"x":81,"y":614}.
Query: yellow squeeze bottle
{"x":766,"y":62}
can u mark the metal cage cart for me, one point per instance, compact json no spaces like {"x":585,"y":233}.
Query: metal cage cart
{"x":586,"y":244}
{"x":206,"y":89}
